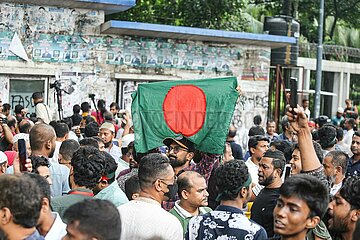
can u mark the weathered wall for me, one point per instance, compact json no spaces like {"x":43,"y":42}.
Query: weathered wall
{"x":66,"y":43}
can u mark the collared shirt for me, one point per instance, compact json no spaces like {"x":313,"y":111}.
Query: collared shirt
{"x":115,"y":152}
{"x":224,"y":222}
{"x":204,"y":167}
{"x":114,"y":194}
{"x":57,"y":230}
{"x":60,"y":204}
{"x":144,"y":218}
{"x":353,"y":168}
{"x":60,"y":179}
{"x":184,"y":216}
{"x":42,"y":111}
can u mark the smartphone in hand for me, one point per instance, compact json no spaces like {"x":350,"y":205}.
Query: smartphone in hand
{"x":22,"y":155}
{"x":293,"y":93}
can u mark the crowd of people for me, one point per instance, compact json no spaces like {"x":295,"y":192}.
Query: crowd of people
{"x":82,"y":178}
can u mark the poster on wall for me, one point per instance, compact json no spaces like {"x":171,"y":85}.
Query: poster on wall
{"x":5,"y":41}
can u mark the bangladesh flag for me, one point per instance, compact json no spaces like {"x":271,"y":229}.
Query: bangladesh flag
{"x":200,"y":110}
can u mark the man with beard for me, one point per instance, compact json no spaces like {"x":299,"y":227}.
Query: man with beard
{"x":354,"y":162}
{"x":181,"y":152}
{"x":192,"y":190}
{"x":107,"y":134}
{"x":334,"y":169}
{"x":344,"y":210}
{"x":271,"y":167}
{"x":42,"y":142}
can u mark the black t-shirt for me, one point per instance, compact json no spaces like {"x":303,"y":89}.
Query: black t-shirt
{"x":236,"y":150}
{"x":263,"y":207}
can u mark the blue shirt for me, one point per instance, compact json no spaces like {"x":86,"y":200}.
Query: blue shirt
{"x":114,"y":194}
{"x":60,"y":179}
{"x":224,"y":222}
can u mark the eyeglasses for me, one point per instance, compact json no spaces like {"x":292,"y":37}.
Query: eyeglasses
{"x":177,"y":149}
{"x":163,"y":181}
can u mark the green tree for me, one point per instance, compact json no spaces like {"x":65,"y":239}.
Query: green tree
{"x":215,"y":14}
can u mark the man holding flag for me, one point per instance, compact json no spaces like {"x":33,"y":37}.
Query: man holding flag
{"x":185,"y":115}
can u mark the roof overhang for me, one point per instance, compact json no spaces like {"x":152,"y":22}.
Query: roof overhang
{"x":109,"y":6}
{"x":196,"y":34}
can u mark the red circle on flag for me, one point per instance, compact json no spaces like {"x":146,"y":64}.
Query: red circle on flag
{"x":185,"y":109}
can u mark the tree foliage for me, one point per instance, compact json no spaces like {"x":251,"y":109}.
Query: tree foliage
{"x":215,"y":14}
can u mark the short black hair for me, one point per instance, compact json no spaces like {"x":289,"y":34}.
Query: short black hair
{"x":22,"y":197}
{"x":351,"y":121}
{"x":254,"y":141}
{"x":350,"y":191}
{"x":309,"y":189}
{"x":37,"y":95}
{"x":96,"y":218}
{"x":152,"y":167}
{"x":68,"y":121}
{"x":25,"y":127}
{"x":38,"y":161}
{"x":278,"y":157}
{"x":256,"y":130}
{"x":284,"y":146}
{"x":68,"y":148}
{"x":89,"y":141}
{"x":114,"y":104}
{"x":61,"y":129}
{"x":6,"y":107}
{"x":85,"y":107}
{"x":76,"y":109}
{"x":339,"y":158}
{"x":88,"y":165}
{"x":339,"y":134}
{"x":18,"y":108}
{"x":257,"y":120}
{"x":327,"y":136}
{"x":132,"y":186}
{"x":42,"y":184}
{"x":91,"y":129}
{"x":230,"y":177}
{"x":101,"y":104}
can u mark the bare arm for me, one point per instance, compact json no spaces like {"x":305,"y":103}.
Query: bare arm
{"x":299,"y":122}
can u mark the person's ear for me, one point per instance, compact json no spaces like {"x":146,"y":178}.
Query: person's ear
{"x":339,"y":169}
{"x":189,"y":156}
{"x":279,"y":172}
{"x":243,"y":192}
{"x":252,"y":150}
{"x":312,"y":222}
{"x":45,"y":205}
{"x":5,"y":216}
{"x":48,"y":144}
{"x":157,"y":185}
{"x":184,"y":194}
{"x":355,"y":215}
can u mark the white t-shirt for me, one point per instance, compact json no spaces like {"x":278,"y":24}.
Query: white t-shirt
{"x":144,"y":218}
{"x":253,"y":170}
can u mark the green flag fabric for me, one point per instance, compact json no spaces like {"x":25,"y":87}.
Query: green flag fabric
{"x":200,"y":110}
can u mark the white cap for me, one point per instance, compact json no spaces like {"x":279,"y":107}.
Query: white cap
{"x":127,"y":139}
{"x":340,"y":110}
{"x":3,"y":158}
